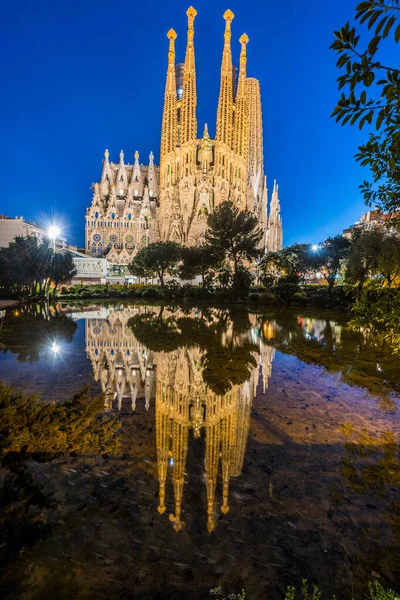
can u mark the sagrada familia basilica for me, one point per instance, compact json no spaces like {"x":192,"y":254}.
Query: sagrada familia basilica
{"x":134,"y":205}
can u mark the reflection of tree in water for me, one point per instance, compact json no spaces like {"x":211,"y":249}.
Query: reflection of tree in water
{"x":372,"y":466}
{"x":228,"y":356}
{"x":26,"y":331}
{"x":207,"y":375}
{"x":366,"y":362}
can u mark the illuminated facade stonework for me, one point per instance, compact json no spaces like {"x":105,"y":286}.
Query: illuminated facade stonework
{"x":133,"y":205}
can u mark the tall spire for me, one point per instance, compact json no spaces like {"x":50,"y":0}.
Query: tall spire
{"x":274,"y":231}
{"x":225,"y":102}
{"x":189,"y":99}
{"x":241,"y":136}
{"x":169,"y":124}
{"x":122,"y":179}
{"x":136,"y":179}
{"x":152,"y":177}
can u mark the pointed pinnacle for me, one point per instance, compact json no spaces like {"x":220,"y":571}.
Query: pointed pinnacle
{"x":228,"y":15}
{"x":191,"y":12}
{"x":172,"y":35}
{"x":244,"y":39}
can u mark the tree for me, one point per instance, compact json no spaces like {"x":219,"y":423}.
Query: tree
{"x":293,"y":262}
{"x":25,"y":263}
{"x":374,"y":252}
{"x":330,"y":257}
{"x":377,"y":104}
{"x":234,"y":233}
{"x":156,"y":260}
{"x":200,"y":260}
{"x":62,"y":268}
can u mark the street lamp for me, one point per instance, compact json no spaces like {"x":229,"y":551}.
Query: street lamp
{"x":54,"y":233}
{"x":315,"y":247}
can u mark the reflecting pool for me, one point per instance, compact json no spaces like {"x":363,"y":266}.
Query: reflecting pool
{"x":257,"y":448}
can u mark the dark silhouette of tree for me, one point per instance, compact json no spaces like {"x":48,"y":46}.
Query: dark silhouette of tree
{"x":330,"y":257}
{"x":199,"y":260}
{"x":293,"y":263}
{"x":374,"y":252}
{"x":156,"y":260}
{"x":234,"y":233}
{"x":62,"y":268}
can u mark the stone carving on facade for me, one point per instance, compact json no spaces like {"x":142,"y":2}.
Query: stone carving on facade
{"x":233,"y":163}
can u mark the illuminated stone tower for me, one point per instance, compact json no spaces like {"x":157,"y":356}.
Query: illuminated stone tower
{"x":274,"y":231}
{"x":134,"y":205}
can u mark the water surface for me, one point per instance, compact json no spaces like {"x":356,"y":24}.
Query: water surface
{"x":258,"y":448}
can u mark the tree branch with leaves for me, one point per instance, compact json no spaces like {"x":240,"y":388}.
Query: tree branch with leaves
{"x":371,"y":96}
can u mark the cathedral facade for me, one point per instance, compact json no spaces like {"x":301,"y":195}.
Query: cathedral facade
{"x":134,"y":205}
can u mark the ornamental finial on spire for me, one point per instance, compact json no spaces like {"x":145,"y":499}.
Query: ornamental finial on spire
{"x":244,"y":39}
{"x":136,"y":155}
{"x":106,"y":153}
{"x":229,"y":16}
{"x":172,"y":35}
{"x":191,"y":13}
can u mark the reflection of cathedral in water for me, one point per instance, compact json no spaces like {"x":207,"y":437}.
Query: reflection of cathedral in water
{"x":126,"y":370}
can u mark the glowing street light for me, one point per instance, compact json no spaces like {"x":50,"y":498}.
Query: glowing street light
{"x":54,"y":233}
{"x":315,"y":247}
{"x":55,"y":348}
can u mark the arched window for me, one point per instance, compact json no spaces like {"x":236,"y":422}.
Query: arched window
{"x":96,"y":214}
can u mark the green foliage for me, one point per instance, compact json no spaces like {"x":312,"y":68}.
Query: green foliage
{"x":199,"y":260}
{"x":378,"y":592}
{"x":218,"y":594}
{"x":241,"y":283}
{"x":372,"y":96}
{"x":330,"y":258}
{"x":374,"y":252}
{"x":61,"y":268}
{"x":156,"y":260}
{"x":307,"y":592}
{"x":377,"y":309}
{"x":292,"y":264}
{"x":42,"y":431}
{"x":234,"y":233}
{"x":32,"y":428}
{"x":28,"y":266}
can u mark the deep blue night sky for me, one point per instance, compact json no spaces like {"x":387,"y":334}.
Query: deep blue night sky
{"x":84,"y":75}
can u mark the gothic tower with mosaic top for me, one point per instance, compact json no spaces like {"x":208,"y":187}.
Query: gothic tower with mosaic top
{"x":134,"y":205}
